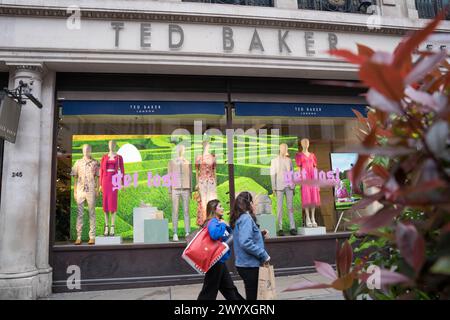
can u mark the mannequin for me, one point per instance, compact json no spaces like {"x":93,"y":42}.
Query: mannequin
{"x":181,"y":171}
{"x":281,"y":188}
{"x":111,"y":164}
{"x":205,"y":166}
{"x":307,"y":163}
{"x":86,"y":172}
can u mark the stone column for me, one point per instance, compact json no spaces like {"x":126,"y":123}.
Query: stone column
{"x":19,"y":275}
{"x":285,"y":4}
{"x":411,"y":9}
{"x":45,"y":184}
{"x":391,"y":8}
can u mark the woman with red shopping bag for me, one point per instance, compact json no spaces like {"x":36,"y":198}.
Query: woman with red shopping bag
{"x":218,"y":278}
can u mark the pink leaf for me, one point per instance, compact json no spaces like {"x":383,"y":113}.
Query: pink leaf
{"x":380,"y":102}
{"x":384,"y":217}
{"x":304,"y":285}
{"x":411,"y":245}
{"x":384,"y":277}
{"x":423,"y":98}
{"x":372,"y":181}
{"x":325,"y":270}
{"x":382,"y":57}
{"x":345,"y":260}
{"x":425,"y":66}
{"x":366,"y":201}
{"x":390,"y":277}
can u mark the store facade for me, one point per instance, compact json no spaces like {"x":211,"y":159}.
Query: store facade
{"x":137,"y":84}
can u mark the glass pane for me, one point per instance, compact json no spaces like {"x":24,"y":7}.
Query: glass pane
{"x":327,"y":128}
{"x":146,"y":134}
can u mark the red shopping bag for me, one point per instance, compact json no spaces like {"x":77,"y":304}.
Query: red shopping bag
{"x":203,"y":252}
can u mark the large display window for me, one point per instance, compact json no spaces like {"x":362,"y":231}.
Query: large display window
{"x":143,"y":171}
{"x":306,"y":142}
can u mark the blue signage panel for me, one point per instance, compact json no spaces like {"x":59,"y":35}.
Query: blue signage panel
{"x":298,"y":109}
{"x":105,"y":107}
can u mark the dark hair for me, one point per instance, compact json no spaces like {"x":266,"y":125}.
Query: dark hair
{"x":242,"y":204}
{"x":211,"y":210}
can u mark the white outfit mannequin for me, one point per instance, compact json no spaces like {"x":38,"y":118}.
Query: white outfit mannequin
{"x":180,"y":170}
{"x":278,"y":169}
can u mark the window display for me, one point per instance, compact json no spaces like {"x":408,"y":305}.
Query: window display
{"x":139,"y":166}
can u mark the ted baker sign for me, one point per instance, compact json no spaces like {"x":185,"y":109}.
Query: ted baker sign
{"x":229,"y":39}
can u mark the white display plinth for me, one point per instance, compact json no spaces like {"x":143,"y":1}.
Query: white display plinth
{"x":312,"y":231}
{"x":139,"y":215}
{"x":102,"y":241}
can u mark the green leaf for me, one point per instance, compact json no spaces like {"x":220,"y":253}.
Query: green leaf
{"x":442,"y":266}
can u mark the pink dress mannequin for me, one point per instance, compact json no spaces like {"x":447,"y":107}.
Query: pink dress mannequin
{"x":307,"y":163}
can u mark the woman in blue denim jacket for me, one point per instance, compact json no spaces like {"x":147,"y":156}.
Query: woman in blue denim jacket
{"x":218,"y":277}
{"x":248,"y":243}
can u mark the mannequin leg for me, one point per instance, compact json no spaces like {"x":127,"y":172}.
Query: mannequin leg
{"x":91,"y":205}
{"x":106,"y":232}
{"x":80,"y":212}
{"x":289,"y":199}
{"x":308,"y":220}
{"x":111,"y":229}
{"x":313,"y":219}
{"x":187,"y":222}
{"x":175,"y":205}
{"x":280,"y":196}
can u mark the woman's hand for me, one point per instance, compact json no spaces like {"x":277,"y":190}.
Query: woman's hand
{"x":265,"y":233}
{"x":267,"y":262}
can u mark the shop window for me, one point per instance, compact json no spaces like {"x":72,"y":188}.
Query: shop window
{"x":145,"y":135}
{"x":128,"y":148}
{"x":327,"y":128}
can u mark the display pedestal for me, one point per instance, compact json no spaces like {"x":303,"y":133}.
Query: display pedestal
{"x":156,"y":231}
{"x":267,"y":221}
{"x":312,"y":231}
{"x":102,"y":241}
{"x":139,"y":215}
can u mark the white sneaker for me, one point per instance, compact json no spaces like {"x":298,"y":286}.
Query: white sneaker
{"x":175,"y":237}
{"x":187,"y":234}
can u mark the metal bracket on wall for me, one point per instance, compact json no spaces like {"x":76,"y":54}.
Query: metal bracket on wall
{"x":22,"y":90}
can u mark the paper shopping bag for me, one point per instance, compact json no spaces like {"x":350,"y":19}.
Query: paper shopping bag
{"x":266,"y":283}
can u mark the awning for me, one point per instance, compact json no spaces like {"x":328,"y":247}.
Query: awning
{"x":247,"y":109}
{"x":105,"y":107}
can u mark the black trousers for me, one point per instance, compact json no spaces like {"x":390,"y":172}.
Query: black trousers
{"x":218,"y":279}
{"x":250,"y":277}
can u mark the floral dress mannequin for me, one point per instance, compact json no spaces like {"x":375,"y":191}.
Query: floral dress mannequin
{"x":205,"y":166}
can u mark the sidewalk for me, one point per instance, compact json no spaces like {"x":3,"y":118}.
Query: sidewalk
{"x":190,"y":292}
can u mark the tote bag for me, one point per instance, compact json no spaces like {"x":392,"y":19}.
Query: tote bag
{"x":203,"y":252}
{"x":266,"y":283}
